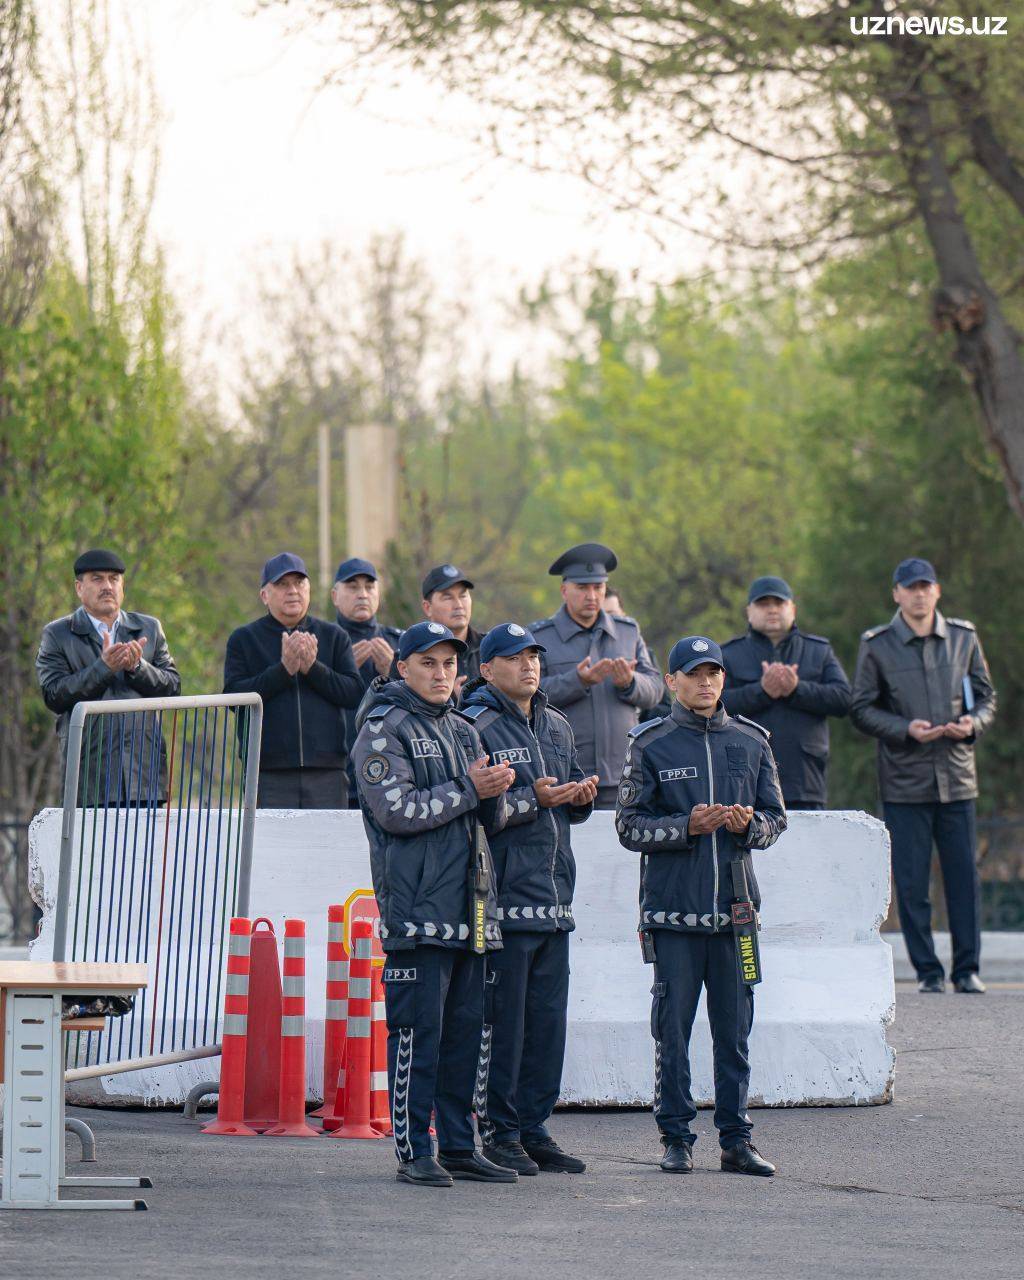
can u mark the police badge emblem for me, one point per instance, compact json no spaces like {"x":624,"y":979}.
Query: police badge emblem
{"x":700,"y":646}
{"x":375,"y":768}
{"x":627,"y":791}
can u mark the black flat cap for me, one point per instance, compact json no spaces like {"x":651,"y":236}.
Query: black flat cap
{"x":98,"y":562}
{"x":441,"y":576}
{"x":588,"y":562}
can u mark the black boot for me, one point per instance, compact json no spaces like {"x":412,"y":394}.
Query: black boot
{"x":970,"y":985}
{"x":550,"y":1157}
{"x":510,"y":1155}
{"x":678,"y":1157}
{"x":424,"y":1171}
{"x":744,"y":1158}
{"x":474,"y":1167}
{"x":933,"y":985}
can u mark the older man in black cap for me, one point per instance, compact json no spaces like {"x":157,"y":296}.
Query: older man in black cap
{"x":922,"y":688}
{"x":790,"y":681}
{"x":448,"y":599}
{"x":596,"y":667}
{"x":101,"y":652}
{"x":303,"y":669}
{"x":356,"y":596}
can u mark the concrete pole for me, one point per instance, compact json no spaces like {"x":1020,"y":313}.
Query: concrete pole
{"x":324,"y":508}
{"x":371,"y":488}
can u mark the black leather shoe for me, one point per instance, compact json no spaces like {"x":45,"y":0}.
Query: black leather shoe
{"x":473,"y":1167}
{"x":745,"y":1158}
{"x":510,"y":1155}
{"x":933,"y":986}
{"x":678,"y":1157}
{"x":972,"y":985}
{"x":550,"y":1157}
{"x":423,"y":1171}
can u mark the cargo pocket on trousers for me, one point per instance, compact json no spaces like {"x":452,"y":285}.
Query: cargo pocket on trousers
{"x":490,"y":992}
{"x":400,"y":991}
{"x":659,"y":991}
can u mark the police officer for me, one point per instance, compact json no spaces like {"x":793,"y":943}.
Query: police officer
{"x":356,"y":596}
{"x":424,"y":784}
{"x":699,"y":790}
{"x":448,"y":599}
{"x":523,"y":1046}
{"x":100,"y":652}
{"x":303,"y":669}
{"x":790,"y":681}
{"x":595,"y":667}
{"x":922,"y":688}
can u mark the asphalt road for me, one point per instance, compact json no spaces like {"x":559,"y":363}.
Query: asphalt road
{"x":929,"y":1186}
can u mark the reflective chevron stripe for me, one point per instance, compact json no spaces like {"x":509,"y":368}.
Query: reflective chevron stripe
{"x":400,"y":1095}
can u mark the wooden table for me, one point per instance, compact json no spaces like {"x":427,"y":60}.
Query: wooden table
{"x":31,"y":998}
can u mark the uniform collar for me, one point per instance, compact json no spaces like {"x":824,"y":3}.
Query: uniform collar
{"x":567,"y":626}
{"x":906,"y":634}
{"x":760,"y":635}
{"x":688,"y":719}
{"x":360,"y":630}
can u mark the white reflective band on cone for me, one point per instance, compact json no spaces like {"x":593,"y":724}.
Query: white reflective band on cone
{"x":363,"y":948}
{"x":337,"y":970}
{"x":358,"y":1028}
{"x":294,"y":947}
{"x":337,"y":1010}
{"x":292,"y":986}
{"x":237,"y":984}
{"x":234,"y":1024}
{"x":238,"y":944}
{"x":293,"y":1024}
{"x":378,"y":1011}
{"x":359,"y":988}
{"x":378,"y":1082}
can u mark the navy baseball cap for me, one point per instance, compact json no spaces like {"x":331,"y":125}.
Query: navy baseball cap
{"x":908,"y":571}
{"x":441,"y":576}
{"x":691,"y":651}
{"x":505,"y":640}
{"x":277,"y":566}
{"x":355,"y":568}
{"x":769,"y":586}
{"x":98,"y":562}
{"x":423,"y":636}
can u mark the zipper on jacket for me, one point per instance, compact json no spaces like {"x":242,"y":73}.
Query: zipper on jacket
{"x":298,"y":711}
{"x":714,"y":834}
{"x":554,"y":825}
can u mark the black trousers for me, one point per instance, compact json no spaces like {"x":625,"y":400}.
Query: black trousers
{"x":523,"y":1046}
{"x":913,"y":829}
{"x":434,"y":1001}
{"x":302,"y":789}
{"x":685,"y":962}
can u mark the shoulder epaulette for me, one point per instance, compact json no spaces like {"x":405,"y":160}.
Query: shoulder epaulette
{"x":875,"y":631}
{"x":384,"y":710}
{"x":471,"y":712}
{"x":754,"y":725}
{"x":962,"y":622}
{"x":809,"y":635}
{"x":541,"y":622}
{"x":639,"y":729}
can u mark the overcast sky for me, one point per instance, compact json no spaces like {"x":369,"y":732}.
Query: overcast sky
{"x":256,"y":162}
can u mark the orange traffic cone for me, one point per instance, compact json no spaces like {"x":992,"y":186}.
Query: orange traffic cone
{"x":263,"y":1051}
{"x":336,"y":1016}
{"x":380,"y":1111}
{"x":292,"y":1108}
{"x":231,"y":1099}
{"x":357,"y":1048}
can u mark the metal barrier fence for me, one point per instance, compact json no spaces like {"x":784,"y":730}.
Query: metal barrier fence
{"x":18,"y":913}
{"x":156,"y":857}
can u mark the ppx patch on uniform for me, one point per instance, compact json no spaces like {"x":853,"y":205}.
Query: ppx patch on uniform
{"x":512,"y":755}
{"x":425,"y":748}
{"x":398,"y":975}
{"x":375,"y":768}
{"x":676,"y":775}
{"x":628,"y":791}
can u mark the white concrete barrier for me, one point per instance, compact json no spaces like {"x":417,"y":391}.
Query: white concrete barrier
{"x":820,"y":1014}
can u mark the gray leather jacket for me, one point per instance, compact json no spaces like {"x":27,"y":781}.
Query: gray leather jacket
{"x":601,"y":715}
{"x":70,"y":670}
{"x":901,"y":677}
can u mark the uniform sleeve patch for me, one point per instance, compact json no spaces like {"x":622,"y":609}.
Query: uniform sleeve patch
{"x":375,"y":768}
{"x":628,"y":791}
